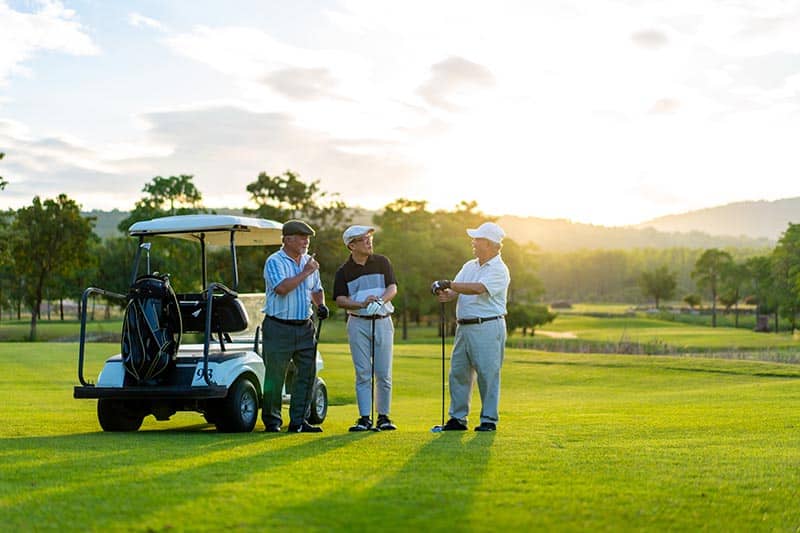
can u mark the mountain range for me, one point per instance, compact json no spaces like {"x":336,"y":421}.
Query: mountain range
{"x":753,"y":225}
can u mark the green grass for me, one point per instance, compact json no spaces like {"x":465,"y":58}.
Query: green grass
{"x":585,"y":442}
{"x":685,"y":337}
{"x":57,"y":330}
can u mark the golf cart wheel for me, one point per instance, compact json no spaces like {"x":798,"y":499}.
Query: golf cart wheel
{"x":114,"y":415}
{"x":239,"y":409}
{"x":318,"y":409}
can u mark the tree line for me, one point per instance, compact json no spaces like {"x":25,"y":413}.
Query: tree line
{"x":49,"y":252}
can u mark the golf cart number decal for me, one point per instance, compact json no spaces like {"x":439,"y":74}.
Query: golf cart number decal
{"x":200,"y":372}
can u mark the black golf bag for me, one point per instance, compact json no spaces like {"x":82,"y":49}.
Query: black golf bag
{"x":151,"y":328}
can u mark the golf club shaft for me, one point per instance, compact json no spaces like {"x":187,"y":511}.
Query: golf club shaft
{"x":372,"y":371}
{"x":443,"y":334}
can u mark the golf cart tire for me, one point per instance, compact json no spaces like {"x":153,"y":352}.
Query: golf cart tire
{"x":114,"y":415}
{"x":318,"y":408}
{"x":239,"y":410}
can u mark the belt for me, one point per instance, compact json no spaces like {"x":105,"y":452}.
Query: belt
{"x":467,"y":321}
{"x":370,"y":317}
{"x":288,"y":322}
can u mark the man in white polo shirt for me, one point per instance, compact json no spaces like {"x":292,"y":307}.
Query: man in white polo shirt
{"x":481,"y":287}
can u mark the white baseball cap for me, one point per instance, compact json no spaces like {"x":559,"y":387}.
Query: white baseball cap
{"x":354,"y":232}
{"x":488,"y":230}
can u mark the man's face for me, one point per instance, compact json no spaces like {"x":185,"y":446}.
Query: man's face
{"x":362,"y":245}
{"x":296,"y":244}
{"x":482,"y":248}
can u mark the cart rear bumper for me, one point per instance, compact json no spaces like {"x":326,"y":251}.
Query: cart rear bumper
{"x":151,"y":393}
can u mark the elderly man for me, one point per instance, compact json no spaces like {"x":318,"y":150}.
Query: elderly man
{"x":293,"y":283}
{"x":365,"y":286}
{"x":481,"y":287}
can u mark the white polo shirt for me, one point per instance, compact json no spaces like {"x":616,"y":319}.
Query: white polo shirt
{"x":493,"y":275}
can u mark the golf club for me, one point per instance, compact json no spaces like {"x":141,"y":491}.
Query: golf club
{"x":372,"y":380}
{"x":440,"y":428}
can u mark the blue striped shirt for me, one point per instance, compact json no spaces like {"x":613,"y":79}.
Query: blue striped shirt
{"x":295,"y":305}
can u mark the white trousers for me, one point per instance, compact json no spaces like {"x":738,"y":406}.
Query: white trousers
{"x":360,"y":335}
{"x":478,"y":352}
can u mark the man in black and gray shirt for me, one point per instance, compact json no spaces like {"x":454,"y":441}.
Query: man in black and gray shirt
{"x":365,"y":286}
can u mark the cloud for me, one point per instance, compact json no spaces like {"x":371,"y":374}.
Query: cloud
{"x":665,"y":106}
{"x":49,"y":27}
{"x":224,"y":147}
{"x":451,"y":78}
{"x":140,"y":21}
{"x":302,"y":83}
{"x":650,"y":39}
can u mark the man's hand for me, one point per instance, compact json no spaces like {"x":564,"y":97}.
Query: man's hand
{"x":311,"y":265}
{"x":440,"y":285}
{"x":323,"y":312}
{"x":374,"y":306}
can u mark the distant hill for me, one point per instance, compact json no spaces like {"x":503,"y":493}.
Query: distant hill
{"x":758,"y":219}
{"x":560,"y":235}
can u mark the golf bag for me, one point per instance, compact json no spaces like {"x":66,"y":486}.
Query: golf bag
{"x":151,"y":328}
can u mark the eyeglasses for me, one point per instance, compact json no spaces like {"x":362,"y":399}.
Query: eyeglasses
{"x":365,"y":238}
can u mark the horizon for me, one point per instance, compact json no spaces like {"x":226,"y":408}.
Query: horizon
{"x":609,"y":114}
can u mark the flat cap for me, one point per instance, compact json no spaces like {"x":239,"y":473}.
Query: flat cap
{"x":354,"y":232}
{"x":297,"y":227}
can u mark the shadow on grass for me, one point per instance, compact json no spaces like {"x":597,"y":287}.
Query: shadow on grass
{"x":434,"y":489}
{"x":112,"y":480}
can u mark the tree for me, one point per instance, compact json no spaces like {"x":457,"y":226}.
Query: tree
{"x":733,"y":281}
{"x":785,"y":263}
{"x":527,"y":316}
{"x":413,"y":261}
{"x":692,"y":300}
{"x":175,"y":195}
{"x":48,"y":238}
{"x":3,"y":182}
{"x":762,"y":289}
{"x":659,"y":283}
{"x":286,"y":197}
{"x":708,"y":272}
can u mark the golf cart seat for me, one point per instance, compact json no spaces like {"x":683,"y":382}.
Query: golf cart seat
{"x":228,"y":314}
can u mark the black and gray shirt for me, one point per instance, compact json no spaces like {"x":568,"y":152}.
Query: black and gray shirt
{"x":370,"y":279}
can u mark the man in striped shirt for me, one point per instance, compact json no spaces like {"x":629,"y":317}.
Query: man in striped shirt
{"x":365,"y":286}
{"x":293,"y":284}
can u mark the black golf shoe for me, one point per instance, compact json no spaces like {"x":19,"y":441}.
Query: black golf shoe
{"x":362,"y":424}
{"x":486,"y":426}
{"x":272,"y":429}
{"x":305,"y":427}
{"x":454,"y":424}
{"x":384,"y":424}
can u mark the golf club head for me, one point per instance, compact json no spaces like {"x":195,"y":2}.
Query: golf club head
{"x":437,"y":429}
{"x":375,"y":428}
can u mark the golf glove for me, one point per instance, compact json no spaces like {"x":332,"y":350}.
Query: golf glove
{"x":440,"y":285}
{"x":374,"y":306}
{"x":323,"y":312}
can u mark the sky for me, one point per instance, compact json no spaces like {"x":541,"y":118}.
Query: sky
{"x":597,"y":111}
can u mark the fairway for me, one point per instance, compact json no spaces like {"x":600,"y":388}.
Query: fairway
{"x":585,"y":442}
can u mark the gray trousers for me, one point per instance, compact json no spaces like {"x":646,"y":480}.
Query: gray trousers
{"x":359,"y":333}
{"x":283,"y":343}
{"x":478,"y":352}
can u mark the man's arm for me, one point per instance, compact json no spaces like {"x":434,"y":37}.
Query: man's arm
{"x":289,"y":284}
{"x":318,"y":298}
{"x":468,"y":288}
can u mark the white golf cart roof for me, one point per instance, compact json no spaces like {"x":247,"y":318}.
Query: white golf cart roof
{"x":215,"y":228}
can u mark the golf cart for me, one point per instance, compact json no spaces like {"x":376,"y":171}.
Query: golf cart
{"x":222,"y":378}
